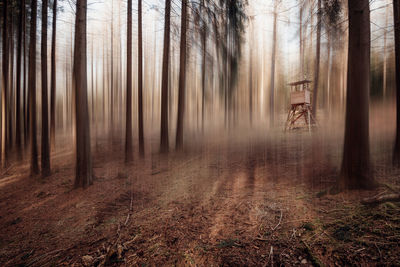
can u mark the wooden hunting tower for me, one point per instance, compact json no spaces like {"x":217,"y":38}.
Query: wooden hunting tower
{"x":300,"y":106}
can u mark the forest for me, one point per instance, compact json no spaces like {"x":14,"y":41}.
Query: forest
{"x":200,"y":133}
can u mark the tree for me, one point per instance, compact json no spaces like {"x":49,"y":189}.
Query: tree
{"x":396,"y":17}
{"x":5,"y":85}
{"x":182,"y":78}
{"x":18,"y":84}
{"x":317,"y":61}
{"x":356,"y":170}
{"x":128,"y":137}
{"x":83,"y":157}
{"x":32,"y":89}
{"x":164,"y":143}
{"x":140,"y":80}
{"x":45,"y":152}
{"x":53,"y":78}
{"x":273,"y":59}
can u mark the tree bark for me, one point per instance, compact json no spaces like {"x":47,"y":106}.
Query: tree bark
{"x":182,"y":78}
{"x":128,"y":137}
{"x":317,"y":61}
{"x":356,"y":170}
{"x":396,"y":17}
{"x":5,"y":85}
{"x":83,"y":157}
{"x":140,"y":80}
{"x":164,"y":142}
{"x":45,"y":152}
{"x":53,"y":79}
{"x":272,"y":80}
{"x":32,"y":90}
{"x":18,"y":84}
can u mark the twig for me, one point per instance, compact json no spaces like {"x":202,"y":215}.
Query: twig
{"x":280,"y":219}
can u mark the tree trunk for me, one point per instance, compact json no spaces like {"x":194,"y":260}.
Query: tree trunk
{"x":164,"y":143}
{"x":18,"y":85}
{"x":45,"y":156}
{"x":356,"y":170}
{"x":112,"y":75}
{"x":140,"y":80}
{"x":272,"y":80}
{"x":32,"y":90}
{"x":83,"y":157}
{"x":128,"y":137}
{"x":182,"y":78}
{"x":203,"y":65}
{"x":396,"y":17}
{"x":317,"y":61}
{"x":53,"y":79}
{"x":25,"y":104}
{"x":5,"y":85}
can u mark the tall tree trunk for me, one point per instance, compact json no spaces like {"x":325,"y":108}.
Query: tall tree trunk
{"x":317,"y":61}
{"x":10,"y":111}
{"x":301,"y":56}
{"x":25,"y":102}
{"x":356,"y":170}
{"x":203,"y":65}
{"x":140,"y":80}
{"x":272,"y":80}
{"x":182,"y":78}
{"x":45,"y":155}
{"x":32,"y":90}
{"x":5,"y":85}
{"x":164,"y":143}
{"x":18,"y":85}
{"x":83,"y":157}
{"x":396,"y":17}
{"x":112,"y":75}
{"x":128,"y":137}
{"x":53,"y":79}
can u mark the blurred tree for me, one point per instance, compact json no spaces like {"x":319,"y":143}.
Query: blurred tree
{"x":164,"y":142}
{"x":182,"y":78}
{"x":140,"y":80}
{"x":32,"y":89}
{"x":45,"y":151}
{"x":4,"y":106}
{"x":396,"y":17}
{"x":128,"y":134}
{"x":53,"y":78}
{"x":83,"y":156}
{"x":18,"y":83}
{"x":317,"y":61}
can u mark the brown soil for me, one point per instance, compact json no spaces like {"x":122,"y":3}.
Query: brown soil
{"x":231,"y":202}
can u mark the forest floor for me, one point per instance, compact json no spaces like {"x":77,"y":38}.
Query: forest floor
{"x":225,"y":202}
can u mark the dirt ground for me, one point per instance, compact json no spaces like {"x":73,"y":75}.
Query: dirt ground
{"x":259,"y":201}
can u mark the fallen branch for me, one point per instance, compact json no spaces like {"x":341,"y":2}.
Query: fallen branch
{"x":381,"y":199}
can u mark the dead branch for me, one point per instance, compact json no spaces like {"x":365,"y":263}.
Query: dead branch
{"x":381,"y":199}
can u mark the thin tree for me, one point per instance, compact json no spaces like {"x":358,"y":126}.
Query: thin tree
{"x":83,"y":157}
{"x":5,"y":85}
{"x":18,"y":84}
{"x":273,"y":59}
{"x":32,"y":89}
{"x":53,"y":78}
{"x":164,"y":143}
{"x":128,"y":137}
{"x":356,"y":169}
{"x":45,"y":151}
{"x":182,"y":78}
{"x":140,"y":80}
{"x":317,"y":60}
{"x":396,"y":17}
